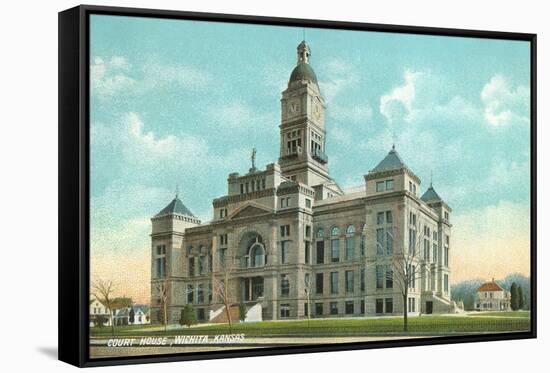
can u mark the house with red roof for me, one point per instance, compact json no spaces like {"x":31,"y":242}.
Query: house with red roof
{"x":492,"y":297}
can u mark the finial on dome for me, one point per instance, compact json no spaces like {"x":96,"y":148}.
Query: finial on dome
{"x":303,"y":52}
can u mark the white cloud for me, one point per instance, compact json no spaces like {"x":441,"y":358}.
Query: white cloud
{"x":398,"y":103}
{"x":339,"y":75}
{"x":351,"y":113}
{"x":115,"y":76}
{"x":158,"y":74}
{"x":109,"y":77}
{"x":503,"y":104}
{"x":235,"y":115}
{"x":141,"y":145}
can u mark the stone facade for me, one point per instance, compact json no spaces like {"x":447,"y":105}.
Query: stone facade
{"x":291,"y":240}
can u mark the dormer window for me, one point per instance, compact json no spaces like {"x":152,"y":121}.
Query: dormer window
{"x":379,"y":186}
{"x":389,"y":184}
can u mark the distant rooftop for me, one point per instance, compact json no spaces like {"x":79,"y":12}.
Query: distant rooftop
{"x":430,"y":195}
{"x":391,"y":162}
{"x":175,"y":207}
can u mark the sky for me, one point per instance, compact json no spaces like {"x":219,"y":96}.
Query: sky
{"x":180,"y":104}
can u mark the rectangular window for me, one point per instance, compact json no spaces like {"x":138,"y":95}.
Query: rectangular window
{"x":285,"y":286}
{"x":446,"y":283}
{"x":379,"y":186}
{"x":308,"y":203}
{"x":306,"y":309}
{"x":389,"y":305}
{"x":210,"y":262}
{"x":284,"y":251}
{"x":334,"y":282}
{"x":362,"y":244}
{"x":363,"y":279}
{"x":349,"y":282}
{"x":308,"y":231}
{"x":334,"y":308}
{"x":242,"y":188}
{"x":412,"y":241}
{"x":427,"y":250}
{"x":319,"y":283}
{"x":200,"y":294}
{"x":285,"y":230}
{"x":349,"y":308}
{"x":285,"y":310}
{"x":222,"y":252}
{"x":318,"y":309}
{"x":320,"y":252}
{"x":160,"y":264}
{"x":389,"y":184}
{"x":350,"y":247}
{"x":434,"y":256}
{"x":380,"y":241}
{"x":362,"y":307}
{"x":190,"y":293}
{"x":380,"y":306}
{"x":202,"y":266}
{"x":389,"y":217}
{"x":389,"y":243}
{"x":379,"y":277}
{"x":191,"y":267}
{"x":307,"y":252}
{"x":335,"y":250}
{"x":389,"y":277}
{"x":380,"y":218}
{"x":446,"y":256}
{"x":446,"y":215}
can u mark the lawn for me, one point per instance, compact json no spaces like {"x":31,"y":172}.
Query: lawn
{"x":345,"y":327}
{"x":503,"y":314}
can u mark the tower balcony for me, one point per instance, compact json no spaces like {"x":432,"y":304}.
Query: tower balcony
{"x":320,"y":156}
{"x":293,"y":152}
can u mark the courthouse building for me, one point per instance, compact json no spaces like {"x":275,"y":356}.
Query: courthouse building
{"x":289,"y":240}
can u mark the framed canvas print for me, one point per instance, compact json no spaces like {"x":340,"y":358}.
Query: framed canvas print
{"x":235,"y":185}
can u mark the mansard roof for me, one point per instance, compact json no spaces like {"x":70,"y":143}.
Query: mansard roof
{"x":391,"y":162}
{"x":175,"y":207}
{"x":431,"y":195}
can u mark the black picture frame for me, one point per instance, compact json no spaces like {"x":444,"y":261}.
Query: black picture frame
{"x":74,"y":150}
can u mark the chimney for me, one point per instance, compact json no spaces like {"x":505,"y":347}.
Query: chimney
{"x":493,"y":279}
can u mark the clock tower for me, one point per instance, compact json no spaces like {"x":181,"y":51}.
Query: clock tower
{"x":302,"y":154}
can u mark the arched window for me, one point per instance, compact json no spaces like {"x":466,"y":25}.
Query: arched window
{"x":350,"y":242}
{"x":320,"y":233}
{"x":256,"y":252}
{"x":335,"y":245}
{"x":257,"y":255}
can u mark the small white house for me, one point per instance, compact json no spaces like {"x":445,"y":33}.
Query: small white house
{"x":98,"y":310}
{"x":132,"y":315}
{"x":492,"y":297}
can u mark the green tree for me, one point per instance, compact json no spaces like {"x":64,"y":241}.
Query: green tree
{"x":131,"y":316}
{"x":521,"y":299}
{"x":242,"y":312}
{"x":514,"y":301}
{"x":188,"y":316}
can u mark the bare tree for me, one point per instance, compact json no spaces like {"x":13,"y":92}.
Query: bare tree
{"x":220,"y":285}
{"x":103,"y":292}
{"x":162,"y":291}
{"x":406,"y":266}
{"x":307,"y":291}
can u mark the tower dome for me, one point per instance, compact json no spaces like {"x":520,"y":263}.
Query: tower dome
{"x":303,"y":70}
